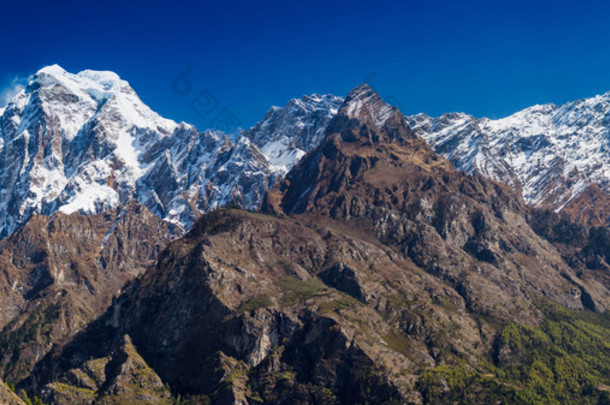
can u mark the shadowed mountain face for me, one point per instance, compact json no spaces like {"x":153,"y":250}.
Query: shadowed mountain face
{"x":59,"y":273}
{"x":377,"y":272}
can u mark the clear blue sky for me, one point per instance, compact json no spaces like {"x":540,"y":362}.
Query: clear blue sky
{"x":487,"y":58}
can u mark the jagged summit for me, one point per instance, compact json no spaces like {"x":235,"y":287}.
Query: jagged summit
{"x":364,"y":114}
{"x":365,"y":104}
{"x":286,"y":134}
{"x":364,"y":93}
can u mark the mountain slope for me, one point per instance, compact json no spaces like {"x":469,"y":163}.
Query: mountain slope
{"x":231,"y":315}
{"x":373,"y":171}
{"x":554,"y":154}
{"x":59,"y":273}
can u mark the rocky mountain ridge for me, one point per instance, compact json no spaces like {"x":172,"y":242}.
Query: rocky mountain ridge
{"x":86,"y":143}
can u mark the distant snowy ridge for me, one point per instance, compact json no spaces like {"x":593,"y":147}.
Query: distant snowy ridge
{"x":86,"y":143}
{"x":286,"y":134}
{"x":552,"y":152}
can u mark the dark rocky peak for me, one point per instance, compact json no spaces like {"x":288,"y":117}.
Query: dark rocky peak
{"x":465,"y":229}
{"x":368,"y":144}
{"x":365,"y":116}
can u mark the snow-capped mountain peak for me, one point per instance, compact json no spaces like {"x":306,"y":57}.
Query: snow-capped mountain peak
{"x":286,"y":134}
{"x":94,"y":92}
{"x":86,"y":143}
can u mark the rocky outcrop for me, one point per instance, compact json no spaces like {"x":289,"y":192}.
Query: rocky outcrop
{"x":122,"y":377}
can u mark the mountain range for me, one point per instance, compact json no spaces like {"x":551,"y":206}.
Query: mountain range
{"x":86,"y":143}
{"x":336,"y":252}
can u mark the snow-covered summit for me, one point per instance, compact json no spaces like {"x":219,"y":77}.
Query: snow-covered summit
{"x":86,"y":143}
{"x":90,"y":91}
{"x":286,"y":134}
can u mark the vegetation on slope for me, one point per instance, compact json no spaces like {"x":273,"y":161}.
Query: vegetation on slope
{"x":566,"y":359}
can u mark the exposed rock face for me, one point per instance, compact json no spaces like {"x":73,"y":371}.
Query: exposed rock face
{"x":286,"y":134}
{"x":552,"y":153}
{"x":590,"y":207}
{"x":122,"y":377}
{"x":60,"y":272}
{"x":236,"y":310}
